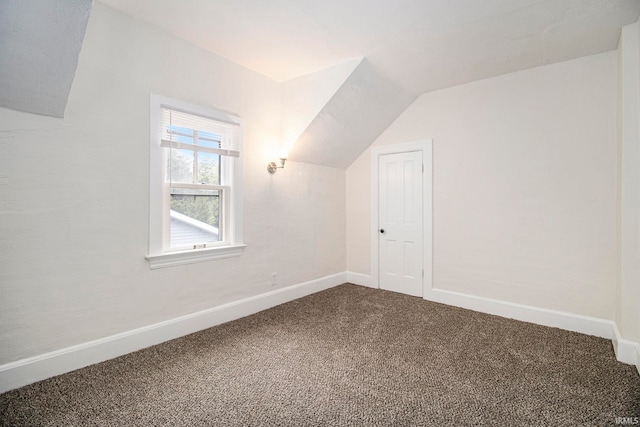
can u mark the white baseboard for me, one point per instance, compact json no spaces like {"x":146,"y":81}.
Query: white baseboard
{"x":360,"y":279}
{"x":540,"y":316}
{"x":626,"y":351}
{"x":27,"y":371}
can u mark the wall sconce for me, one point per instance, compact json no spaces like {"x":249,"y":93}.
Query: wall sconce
{"x":272,"y":167}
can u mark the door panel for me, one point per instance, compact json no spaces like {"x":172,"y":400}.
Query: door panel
{"x":400,"y":222}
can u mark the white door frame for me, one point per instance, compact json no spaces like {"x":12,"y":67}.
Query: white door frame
{"x":426,"y":147}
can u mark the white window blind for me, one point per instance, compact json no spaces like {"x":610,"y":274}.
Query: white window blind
{"x":198,"y":133}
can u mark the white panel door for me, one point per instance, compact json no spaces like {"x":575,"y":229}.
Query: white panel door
{"x":400,"y":222}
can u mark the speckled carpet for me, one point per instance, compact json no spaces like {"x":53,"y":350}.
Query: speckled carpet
{"x":346,"y":356}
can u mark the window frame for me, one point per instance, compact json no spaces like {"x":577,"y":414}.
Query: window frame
{"x":160,"y":255}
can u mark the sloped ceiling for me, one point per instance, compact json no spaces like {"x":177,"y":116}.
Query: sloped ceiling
{"x":359,"y":111}
{"x":40,"y":41}
{"x":304,"y":97}
{"x":419,"y":44}
{"x":410,"y":47}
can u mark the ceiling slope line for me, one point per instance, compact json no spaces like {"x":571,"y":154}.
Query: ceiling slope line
{"x":359,"y":111}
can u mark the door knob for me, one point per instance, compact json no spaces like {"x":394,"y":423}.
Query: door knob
{"x":382,"y":230}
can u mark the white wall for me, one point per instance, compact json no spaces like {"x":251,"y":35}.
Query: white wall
{"x":524,"y":186}
{"x":74,"y":197}
{"x":627,"y":310}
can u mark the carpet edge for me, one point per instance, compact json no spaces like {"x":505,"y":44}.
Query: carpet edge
{"x":29,"y":370}
{"x":626,"y":351}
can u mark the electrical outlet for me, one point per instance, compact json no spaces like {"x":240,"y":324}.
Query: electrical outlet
{"x":274,"y":279}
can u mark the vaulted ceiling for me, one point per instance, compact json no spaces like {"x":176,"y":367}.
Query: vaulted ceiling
{"x":407,"y":47}
{"x":421,"y":45}
{"x":400,"y":48}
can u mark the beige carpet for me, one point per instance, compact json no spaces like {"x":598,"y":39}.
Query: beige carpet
{"x":346,"y":356}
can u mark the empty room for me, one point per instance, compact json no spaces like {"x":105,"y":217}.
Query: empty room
{"x":310,"y":213}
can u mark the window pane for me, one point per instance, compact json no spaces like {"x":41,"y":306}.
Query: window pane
{"x":209,"y":168}
{"x":181,"y":166}
{"x":195,"y":217}
{"x":180,"y":134}
{"x":208,"y":139}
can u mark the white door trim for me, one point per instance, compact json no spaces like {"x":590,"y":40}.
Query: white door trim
{"x":426,"y":147}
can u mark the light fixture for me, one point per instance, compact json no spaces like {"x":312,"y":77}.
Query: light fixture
{"x":272,"y":167}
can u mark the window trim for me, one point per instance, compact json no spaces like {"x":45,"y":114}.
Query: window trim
{"x":157,"y":256}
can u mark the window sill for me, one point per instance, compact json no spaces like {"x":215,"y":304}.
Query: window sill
{"x":189,"y":257}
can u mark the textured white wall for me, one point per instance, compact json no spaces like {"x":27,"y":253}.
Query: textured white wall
{"x":74,"y":197}
{"x":628,"y":289}
{"x":524,"y":186}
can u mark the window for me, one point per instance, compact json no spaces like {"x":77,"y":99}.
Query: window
{"x":195,"y":184}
